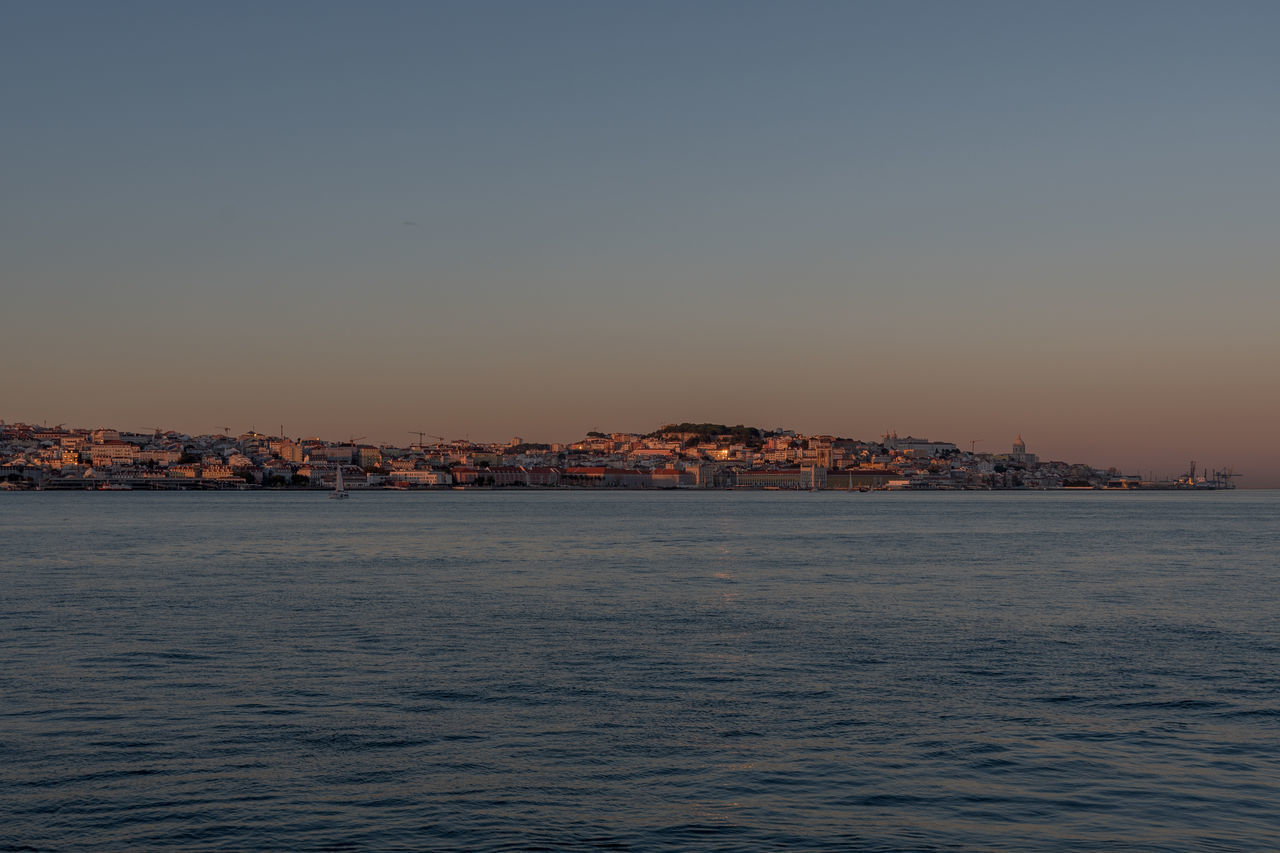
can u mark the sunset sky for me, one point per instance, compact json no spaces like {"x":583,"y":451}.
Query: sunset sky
{"x":962,"y":221}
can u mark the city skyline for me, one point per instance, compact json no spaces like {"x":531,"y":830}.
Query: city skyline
{"x":964,"y":222}
{"x":677,"y":455}
{"x":979,"y":446}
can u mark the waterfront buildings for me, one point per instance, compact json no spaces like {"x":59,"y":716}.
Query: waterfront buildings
{"x":674,"y":456}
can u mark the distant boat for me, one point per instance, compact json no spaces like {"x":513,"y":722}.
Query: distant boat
{"x":339,"y":491}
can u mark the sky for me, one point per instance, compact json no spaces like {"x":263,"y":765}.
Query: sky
{"x":961,"y":221}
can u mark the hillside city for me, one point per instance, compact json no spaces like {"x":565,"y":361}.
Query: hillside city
{"x":686,"y":455}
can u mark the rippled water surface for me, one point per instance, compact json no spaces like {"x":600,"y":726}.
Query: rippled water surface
{"x":573,"y":670}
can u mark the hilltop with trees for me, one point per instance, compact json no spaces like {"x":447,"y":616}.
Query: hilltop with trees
{"x":750,"y":436}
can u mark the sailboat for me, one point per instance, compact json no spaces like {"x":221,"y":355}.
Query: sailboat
{"x":339,"y":491}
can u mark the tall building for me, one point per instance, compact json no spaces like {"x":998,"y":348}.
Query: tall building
{"x":1020,"y":456}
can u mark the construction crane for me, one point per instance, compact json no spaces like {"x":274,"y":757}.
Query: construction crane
{"x":972,"y":442}
{"x":354,"y":439}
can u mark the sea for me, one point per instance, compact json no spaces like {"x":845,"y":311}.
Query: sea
{"x":608,"y":670}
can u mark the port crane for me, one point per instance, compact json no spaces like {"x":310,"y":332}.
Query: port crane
{"x":1223,"y":478}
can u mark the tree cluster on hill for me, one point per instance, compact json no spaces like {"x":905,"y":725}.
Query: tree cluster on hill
{"x":703,"y":431}
{"x":529,"y":447}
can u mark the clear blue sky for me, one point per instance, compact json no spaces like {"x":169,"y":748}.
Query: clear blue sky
{"x":960,"y":220}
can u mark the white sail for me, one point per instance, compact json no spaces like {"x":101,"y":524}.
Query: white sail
{"x":339,"y":491}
